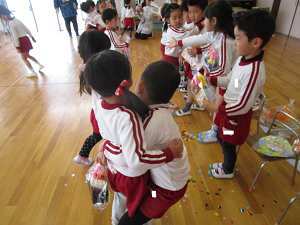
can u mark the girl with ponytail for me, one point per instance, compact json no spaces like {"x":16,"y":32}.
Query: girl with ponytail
{"x":118,"y":113}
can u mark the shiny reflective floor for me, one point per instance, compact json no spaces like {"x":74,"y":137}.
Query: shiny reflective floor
{"x":44,"y":122}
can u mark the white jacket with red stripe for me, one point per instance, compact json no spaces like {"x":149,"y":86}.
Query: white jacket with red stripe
{"x":127,"y":147}
{"x":114,"y":41}
{"x":179,"y":34}
{"x":244,"y":84}
{"x":227,"y":56}
{"x":160,"y":130}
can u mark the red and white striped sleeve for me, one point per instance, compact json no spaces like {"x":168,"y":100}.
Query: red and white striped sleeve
{"x":251,"y":86}
{"x":115,"y":41}
{"x":132,"y":145}
{"x":179,"y":33}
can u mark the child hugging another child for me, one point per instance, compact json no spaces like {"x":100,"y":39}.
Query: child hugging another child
{"x":110,"y":18}
{"x":101,"y":6}
{"x":170,"y":180}
{"x":118,"y":114}
{"x":90,"y":42}
{"x":89,"y":8}
{"x":252,"y":32}
{"x":127,"y":19}
{"x":19,"y":32}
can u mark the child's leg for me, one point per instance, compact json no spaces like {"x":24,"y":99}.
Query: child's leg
{"x":34,"y":60}
{"x":186,"y":110}
{"x":123,"y":31}
{"x":89,"y":143}
{"x":138,"y":219}
{"x":130,"y":31}
{"x":229,"y":151}
{"x":118,"y":207}
{"x":24,"y":57}
{"x":137,"y":35}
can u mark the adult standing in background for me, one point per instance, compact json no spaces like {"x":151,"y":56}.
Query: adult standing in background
{"x":69,"y":12}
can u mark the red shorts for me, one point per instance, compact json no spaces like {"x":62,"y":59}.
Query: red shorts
{"x":134,"y":188}
{"x":128,"y":22}
{"x":25,"y":44}
{"x":94,"y":122}
{"x":162,"y":49}
{"x":171,"y":59}
{"x":222,"y":91}
{"x":240,"y":125}
{"x":156,"y":207}
{"x":188,"y":72}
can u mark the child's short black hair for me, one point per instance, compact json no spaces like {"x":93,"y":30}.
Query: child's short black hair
{"x":257,"y":23}
{"x":127,"y":2}
{"x":85,"y":7}
{"x":161,"y":79}
{"x":184,"y":5}
{"x":90,"y":43}
{"x":200,"y":3}
{"x":5,"y":11}
{"x":109,"y":14}
{"x":105,"y":71}
{"x":91,"y":3}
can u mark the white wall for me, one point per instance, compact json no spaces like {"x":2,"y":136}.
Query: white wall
{"x":265,"y":3}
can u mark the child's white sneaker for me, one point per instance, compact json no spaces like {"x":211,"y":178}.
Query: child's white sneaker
{"x":197,"y":107}
{"x":184,"y":89}
{"x":216,"y":165}
{"x":32,"y":74}
{"x":220,"y":174}
{"x":208,"y":138}
{"x":181,"y":85}
{"x":86,"y":162}
{"x":40,"y":67}
{"x":180,"y":113}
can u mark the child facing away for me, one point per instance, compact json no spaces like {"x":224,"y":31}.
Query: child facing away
{"x":90,"y":42}
{"x":19,"y":33}
{"x":173,"y":16}
{"x":156,"y":87}
{"x":218,"y":23}
{"x":252,"y":32}
{"x":145,"y":15}
{"x":127,"y":19}
{"x":118,"y":114}
{"x":110,"y":18}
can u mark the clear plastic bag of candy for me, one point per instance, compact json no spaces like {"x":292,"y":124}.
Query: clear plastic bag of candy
{"x":98,"y":185}
{"x":211,"y":57}
{"x":201,"y":89}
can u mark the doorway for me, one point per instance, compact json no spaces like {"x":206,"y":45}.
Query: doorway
{"x":40,"y":15}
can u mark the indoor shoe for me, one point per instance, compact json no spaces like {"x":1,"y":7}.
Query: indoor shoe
{"x":173,"y":106}
{"x":216,"y":165}
{"x":220,"y":174}
{"x":180,"y":113}
{"x":184,"y":89}
{"x":86,"y":162}
{"x":197,"y":107}
{"x":185,"y":96}
{"x":181,"y":85}
{"x":41,"y":67}
{"x":207,"y":138}
{"x":31,"y":74}
{"x":204,"y":133}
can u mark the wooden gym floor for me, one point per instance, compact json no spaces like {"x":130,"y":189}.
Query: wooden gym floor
{"x":44,"y":122}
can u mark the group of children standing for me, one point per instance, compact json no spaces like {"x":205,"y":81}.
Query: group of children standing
{"x":143,"y":143}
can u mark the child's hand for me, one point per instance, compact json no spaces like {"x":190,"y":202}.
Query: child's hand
{"x":19,"y":50}
{"x":33,"y":40}
{"x":57,"y":10}
{"x":172,"y":44}
{"x":205,"y":71}
{"x":192,"y":52}
{"x":211,"y":105}
{"x":99,"y":27}
{"x":100,"y":158}
{"x":177,"y":147}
